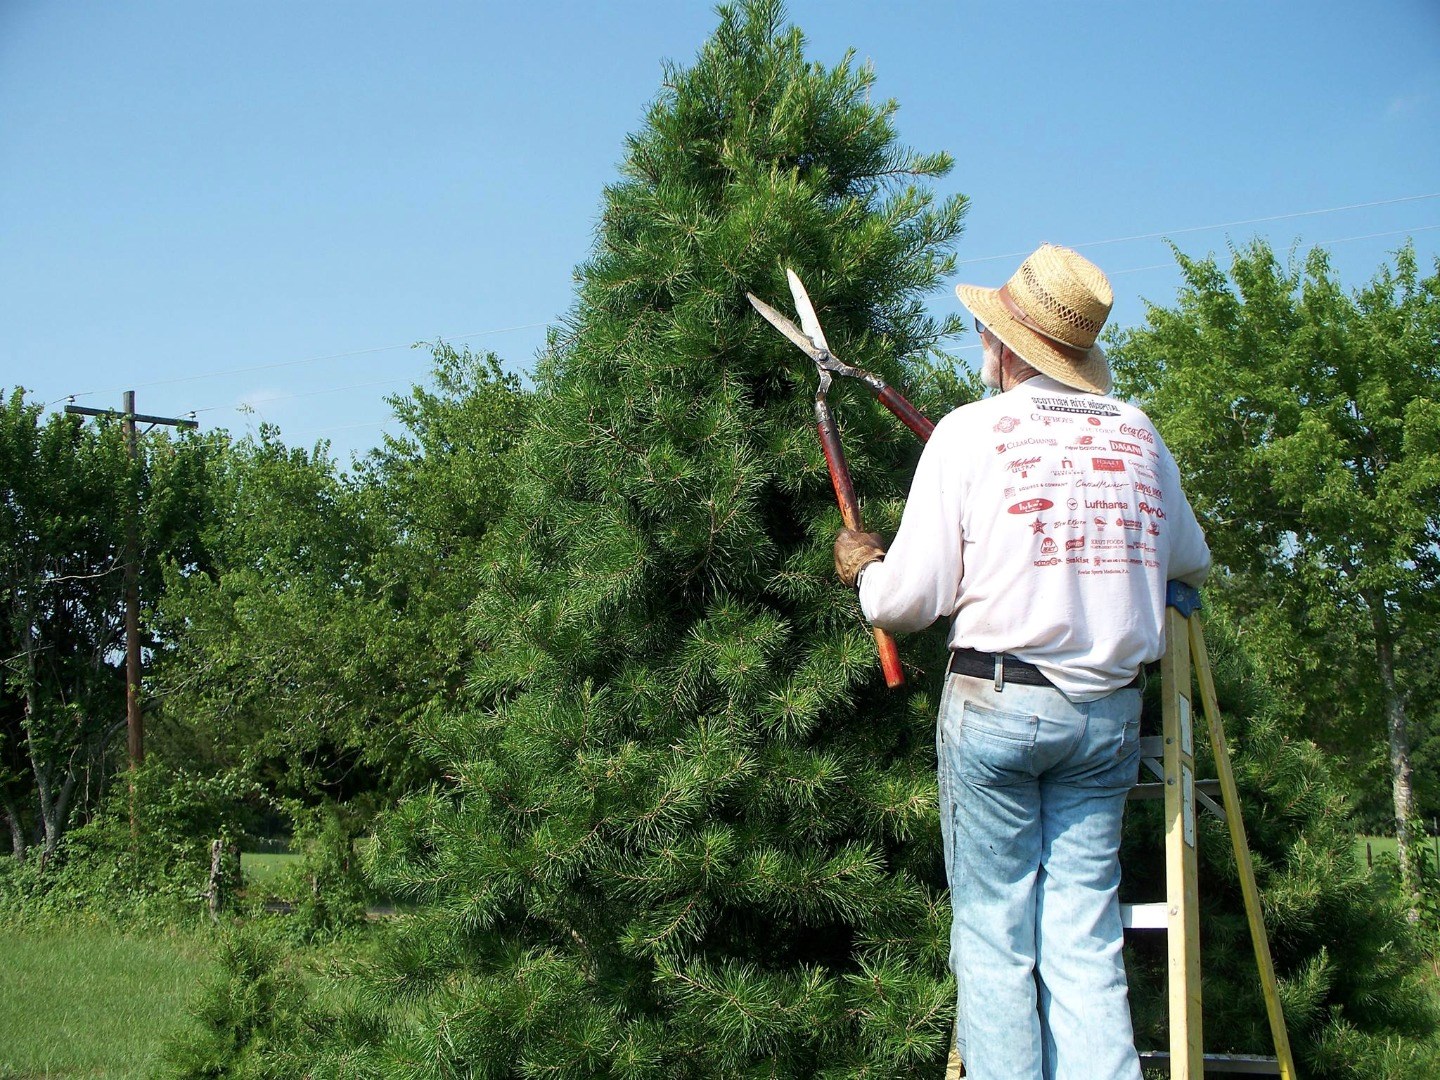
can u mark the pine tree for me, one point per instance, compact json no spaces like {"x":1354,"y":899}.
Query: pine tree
{"x":688,"y":831}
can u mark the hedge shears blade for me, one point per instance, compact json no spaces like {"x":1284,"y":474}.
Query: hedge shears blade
{"x":810,"y":339}
{"x":809,"y":321}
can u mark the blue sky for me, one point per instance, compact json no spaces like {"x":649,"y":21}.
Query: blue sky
{"x":222,"y":203}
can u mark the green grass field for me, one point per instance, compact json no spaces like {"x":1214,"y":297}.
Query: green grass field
{"x":262,"y":868}
{"x":83,"y":1001}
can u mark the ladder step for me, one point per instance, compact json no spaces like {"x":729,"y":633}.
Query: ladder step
{"x":1157,"y":791}
{"x":1251,"y":1064}
{"x":1144,"y":916}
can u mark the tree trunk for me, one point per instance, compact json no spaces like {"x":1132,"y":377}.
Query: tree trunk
{"x":17,"y":831}
{"x":1402,"y":783}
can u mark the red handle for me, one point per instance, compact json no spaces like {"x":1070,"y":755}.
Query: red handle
{"x":850,"y":514}
{"x":907,"y":414}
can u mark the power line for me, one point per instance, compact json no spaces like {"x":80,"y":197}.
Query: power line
{"x":1319,"y":243}
{"x":310,"y":360}
{"x":1222,"y":225}
{"x":307,"y":393}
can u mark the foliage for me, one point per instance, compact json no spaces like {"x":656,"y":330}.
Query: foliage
{"x":328,"y":622}
{"x":1354,"y":978}
{"x":684,"y":828}
{"x":144,"y":856}
{"x":1310,"y":427}
{"x":326,"y":890}
{"x":254,"y":1004}
{"x":67,"y":491}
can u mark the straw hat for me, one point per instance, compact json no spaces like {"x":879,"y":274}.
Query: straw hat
{"x":1050,"y":313}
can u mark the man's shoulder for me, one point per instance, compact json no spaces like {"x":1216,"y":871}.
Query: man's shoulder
{"x":973,"y":420}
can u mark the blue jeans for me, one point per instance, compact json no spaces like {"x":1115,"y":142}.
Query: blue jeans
{"x":1032,"y":793}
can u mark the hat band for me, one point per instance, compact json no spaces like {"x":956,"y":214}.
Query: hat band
{"x":1072,"y":353}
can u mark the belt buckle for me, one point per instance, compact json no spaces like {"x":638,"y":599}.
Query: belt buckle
{"x":999,"y":672}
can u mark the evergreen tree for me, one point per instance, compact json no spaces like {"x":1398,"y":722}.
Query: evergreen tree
{"x":688,"y":831}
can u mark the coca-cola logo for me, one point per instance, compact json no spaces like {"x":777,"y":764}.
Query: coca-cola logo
{"x":1031,"y":506}
{"x":1137,"y":433}
{"x":1107,"y":464}
{"x":1125,"y":447}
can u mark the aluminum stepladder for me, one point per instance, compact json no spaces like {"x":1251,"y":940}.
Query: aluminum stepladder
{"x":1170,"y":757}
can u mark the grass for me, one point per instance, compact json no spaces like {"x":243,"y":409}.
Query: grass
{"x":90,"y":1001}
{"x":1368,"y":848}
{"x":262,"y":869}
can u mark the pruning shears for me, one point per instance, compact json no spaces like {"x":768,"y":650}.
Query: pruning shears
{"x":810,"y":339}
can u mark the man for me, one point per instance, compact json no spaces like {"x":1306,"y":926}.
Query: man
{"x":1046,"y":520}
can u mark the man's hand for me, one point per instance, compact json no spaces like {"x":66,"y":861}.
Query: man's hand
{"x":854,"y":551}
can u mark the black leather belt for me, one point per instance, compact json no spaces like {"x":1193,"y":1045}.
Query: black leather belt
{"x":981,"y":665}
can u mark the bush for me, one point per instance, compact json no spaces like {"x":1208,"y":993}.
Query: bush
{"x":154,"y":866}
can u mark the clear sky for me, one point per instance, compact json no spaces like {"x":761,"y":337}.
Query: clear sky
{"x":221,"y":203}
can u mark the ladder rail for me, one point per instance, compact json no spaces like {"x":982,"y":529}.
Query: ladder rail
{"x":1187,"y":1041}
{"x":1230,"y":794}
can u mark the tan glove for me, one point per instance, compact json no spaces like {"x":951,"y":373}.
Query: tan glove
{"x":854,"y":551}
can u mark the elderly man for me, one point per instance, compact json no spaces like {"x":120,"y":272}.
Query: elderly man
{"x":1044,"y":521}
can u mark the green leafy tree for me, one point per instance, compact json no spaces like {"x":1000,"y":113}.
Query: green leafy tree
{"x":67,"y":489}
{"x":1307,"y":421}
{"x":327,"y":621}
{"x":685,"y":829}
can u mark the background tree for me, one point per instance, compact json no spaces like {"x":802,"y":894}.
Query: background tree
{"x":328,"y":620}
{"x":66,"y":490}
{"x":1310,"y":423}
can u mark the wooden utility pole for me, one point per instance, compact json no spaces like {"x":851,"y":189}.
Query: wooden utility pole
{"x":134,"y":720}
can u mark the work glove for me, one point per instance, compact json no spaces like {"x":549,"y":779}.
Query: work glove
{"x":854,"y":551}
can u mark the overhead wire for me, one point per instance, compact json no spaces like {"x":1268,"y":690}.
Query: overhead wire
{"x":1223,"y":225}
{"x":1170,"y":265}
{"x":962,"y":262}
{"x":297,"y":363}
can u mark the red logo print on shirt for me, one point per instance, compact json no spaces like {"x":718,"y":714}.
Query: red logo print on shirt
{"x":1007,"y":424}
{"x":1108,"y":464}
{"x":1031,"y":506}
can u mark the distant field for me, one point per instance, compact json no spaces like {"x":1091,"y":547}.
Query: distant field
{"x":260,"y":869}
{"x":91,"y":1002}
{"x":1385,"y":845}
{"x":1377,"y":845}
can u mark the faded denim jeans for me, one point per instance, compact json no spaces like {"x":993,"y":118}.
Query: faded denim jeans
{"x":1032,"y":793}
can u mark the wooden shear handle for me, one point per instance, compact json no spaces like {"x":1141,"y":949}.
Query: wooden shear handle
{"x":850,"y":514}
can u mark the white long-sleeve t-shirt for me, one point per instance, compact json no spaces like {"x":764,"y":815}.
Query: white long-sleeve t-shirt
{"x":1047,"y":522}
